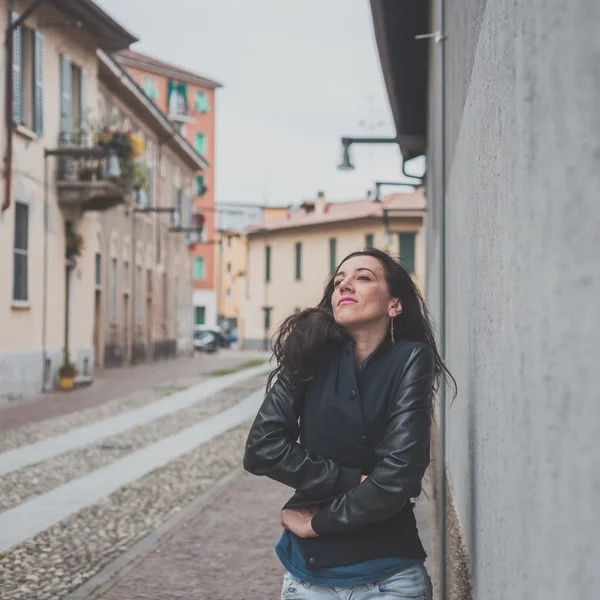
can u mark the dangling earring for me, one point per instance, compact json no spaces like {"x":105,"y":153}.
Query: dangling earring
{"x":392,"y":331}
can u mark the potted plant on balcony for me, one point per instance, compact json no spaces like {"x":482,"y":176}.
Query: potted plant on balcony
{"x":66,"y":372}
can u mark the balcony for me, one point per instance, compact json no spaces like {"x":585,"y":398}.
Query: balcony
{"x":89,"y":174}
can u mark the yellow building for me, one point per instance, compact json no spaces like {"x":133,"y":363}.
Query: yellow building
{"x":291,"y":257}
{"x":232,"y":258}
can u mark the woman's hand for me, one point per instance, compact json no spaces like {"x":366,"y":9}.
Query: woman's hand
{"x":298,"y":521}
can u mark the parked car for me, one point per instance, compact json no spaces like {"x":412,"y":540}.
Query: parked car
{"x":205,"y":340}
{"x":211,"y":337}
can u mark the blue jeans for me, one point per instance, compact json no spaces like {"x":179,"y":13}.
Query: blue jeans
{"x":410,"y":584}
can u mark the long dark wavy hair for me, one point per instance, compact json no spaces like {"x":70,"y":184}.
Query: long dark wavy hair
{"x":305,"y":338}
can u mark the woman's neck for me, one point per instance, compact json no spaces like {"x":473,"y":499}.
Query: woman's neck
{"x":366,"y":342}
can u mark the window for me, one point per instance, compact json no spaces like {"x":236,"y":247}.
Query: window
{"x":297,"y":309}
{"x":125,"y":277}
{"x":150,"y":87}
{"x":267,"y":313}
{"x":298,"y":261}
{"x":406,"y":241}
{"x":332,"y":255}
{"x":229,"y":292}
{"x":21,"y":252}
{"x":199,"y":315}
{"x":200,"y":187}
{"x":199,"y":272}
{"x":113,"y":290}
{"x":73,"y":101}
{"x":200,"y":143}
{"x":76,"y":99}
{"x":268,"y":263}
{"x":202,"y":104}
{"x":369,"y":240}
{"x":98,"y":269}
{"x":229,"y":267}
{"x":177,"y":99}
{"x":28,"y":70}
{"x":177,"y":219}
{"x":229,"y":241}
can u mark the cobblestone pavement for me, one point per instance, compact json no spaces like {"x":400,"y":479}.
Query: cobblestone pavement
{"x":111,"y":384}
{"x":20,"y":485}
{"x":223,"y":551}
{"x":58,"y":560}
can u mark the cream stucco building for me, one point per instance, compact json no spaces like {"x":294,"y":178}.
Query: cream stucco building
{"x":290,"y":258}
{"x":60,"y":188}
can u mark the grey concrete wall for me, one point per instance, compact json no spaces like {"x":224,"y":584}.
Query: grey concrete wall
{"x":523,"y":291}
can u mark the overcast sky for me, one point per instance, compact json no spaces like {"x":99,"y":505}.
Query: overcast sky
{"x":296,"y":75}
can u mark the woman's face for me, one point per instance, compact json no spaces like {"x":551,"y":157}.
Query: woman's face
{"x":361,"y":295}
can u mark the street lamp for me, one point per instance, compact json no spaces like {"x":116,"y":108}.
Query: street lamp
{"x":346,"y":164}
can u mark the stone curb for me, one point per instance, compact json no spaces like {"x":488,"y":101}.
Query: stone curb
{"x":102,"y":581}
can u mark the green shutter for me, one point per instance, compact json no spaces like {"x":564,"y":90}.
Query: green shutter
{"x":198,"y":268}
{"x":38,"y":81}
{"x":17,"y":59}
{"x":200,"y":187}
{"x":200,"y":143}
{"x":369,"y":240}
{"x":200,"y":315}
{"x":298,"y":261}
{"x":267,"y":310}
{"x":407,"y":250}
{"x":202,"y":105}
{"x":332,"y":255}
{"x":268,"y":263}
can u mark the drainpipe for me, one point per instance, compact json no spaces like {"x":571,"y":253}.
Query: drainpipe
{"x":8,"y":100}
{"x":45,"y":275}
{"x":440,"y":162}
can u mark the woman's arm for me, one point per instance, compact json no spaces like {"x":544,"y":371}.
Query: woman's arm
{"x":272,"y":448}
{"x":403,"y":456}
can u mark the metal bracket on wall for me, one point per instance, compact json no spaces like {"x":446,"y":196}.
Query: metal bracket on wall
{"x":437,"y":36}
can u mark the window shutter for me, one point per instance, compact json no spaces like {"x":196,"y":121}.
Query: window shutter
{"x":65,"y":96}
{"x":83,"y":109}
{"x":407,"y":250}
{"x":64,"y":166}
{"x":38,"y":81}
{"x":17,"y":98}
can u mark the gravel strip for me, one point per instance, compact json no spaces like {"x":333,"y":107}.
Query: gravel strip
{"x":13,"y":438}
{"x":60,"y":559}
{"x":36,"y":479}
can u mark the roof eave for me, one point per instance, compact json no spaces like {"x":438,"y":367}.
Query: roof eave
{"x":404,"y":63}
{"x":111,"y":35}
{"x":168,"y":72}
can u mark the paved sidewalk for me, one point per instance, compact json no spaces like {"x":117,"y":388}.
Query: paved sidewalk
{"x":221,"y":551}
{"x":115,"y":383}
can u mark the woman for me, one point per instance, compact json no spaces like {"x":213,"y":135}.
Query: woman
{"x":355,"y":380}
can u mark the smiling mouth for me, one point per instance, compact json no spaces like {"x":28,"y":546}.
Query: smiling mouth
{"x":346,"y":301}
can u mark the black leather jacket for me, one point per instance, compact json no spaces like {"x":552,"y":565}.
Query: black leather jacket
{"x":374,"y":419}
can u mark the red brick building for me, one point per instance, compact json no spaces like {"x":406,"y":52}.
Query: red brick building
{"x":189,"y":101}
